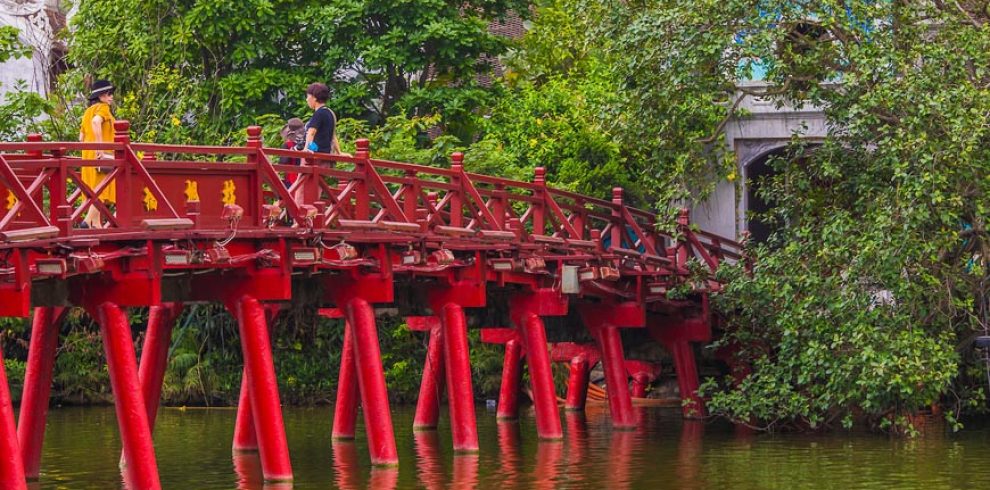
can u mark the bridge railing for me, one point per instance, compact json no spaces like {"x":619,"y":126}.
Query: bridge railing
{"x":167,"y":190}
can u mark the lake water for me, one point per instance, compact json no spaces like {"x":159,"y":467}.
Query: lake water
{"x":193,"y":448}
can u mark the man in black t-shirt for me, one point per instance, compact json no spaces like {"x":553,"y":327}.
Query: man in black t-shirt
{"x":320,"y":128}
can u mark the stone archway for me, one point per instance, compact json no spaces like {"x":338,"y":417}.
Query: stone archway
{"x":754,"y":205}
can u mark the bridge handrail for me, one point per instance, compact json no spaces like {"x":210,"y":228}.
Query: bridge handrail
{"x":376,"y":191}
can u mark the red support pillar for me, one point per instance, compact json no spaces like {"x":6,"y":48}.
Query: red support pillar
{"x":508,"y":394}
{"x":154,"y":359}
{"x":432,"y":386}
{"x":154,"y":356}
{"x":614,"y":363}
{"x":11,"y":464}
{"x":677,"y":335}
{"x":541,"y":376}
{"x":346,"y":410}
{"x":37,"y":386}
{"x":577,"y":384}
{"x":371,"y":383}
{"x":132,"y":416}
{"x":639,"y":383}
{"x":245,"y":436}
{"x":245,"y":439}
{"x":266,"y":409}
{"x":463,"y":424}
{"x":687,"y":379}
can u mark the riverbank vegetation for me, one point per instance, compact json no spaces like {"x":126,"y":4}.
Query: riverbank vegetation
{"x":864,"y":302}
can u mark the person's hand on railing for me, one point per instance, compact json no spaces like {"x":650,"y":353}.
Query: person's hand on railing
{"x":102,"y":155}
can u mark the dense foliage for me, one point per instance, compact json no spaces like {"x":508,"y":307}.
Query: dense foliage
{"x":215,"y":66}
{"x":863,"y":304}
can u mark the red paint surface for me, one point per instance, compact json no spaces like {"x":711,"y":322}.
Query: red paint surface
{"x":266,"y":408}
{"x":432,"y":386}
{"x":37,"y":386}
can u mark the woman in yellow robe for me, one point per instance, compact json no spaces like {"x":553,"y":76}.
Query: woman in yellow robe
{"x":97,"y":126}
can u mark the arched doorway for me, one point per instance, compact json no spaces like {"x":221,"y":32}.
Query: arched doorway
{"x":757,"y":172}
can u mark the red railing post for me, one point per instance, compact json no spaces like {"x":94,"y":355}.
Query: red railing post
{"x":539,"y":208}
{"x":254,"y":142}
{"x":346,"y":409}
{"x":498,"y":203}
{"x":617,"y":225}
{"x":410,"y":195}
{"x":362,"y":200}
{"x":457,"y":194}
{"x":37,"y":386}
{"x":124,"y":180}
{"x":683,"y":222}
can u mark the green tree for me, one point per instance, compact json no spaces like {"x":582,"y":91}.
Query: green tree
{"x":215,"y":66}
{"x":864,"y":305}
{"x":10,"y":45}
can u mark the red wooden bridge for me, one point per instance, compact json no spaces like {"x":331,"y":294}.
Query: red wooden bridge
{"x":443,"y":246}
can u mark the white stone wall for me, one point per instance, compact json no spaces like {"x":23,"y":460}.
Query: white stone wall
{"x":766,"y":128}
{"x":30,"y":17}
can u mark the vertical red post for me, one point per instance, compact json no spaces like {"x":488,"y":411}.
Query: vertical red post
{"x":431,"y":388}
{"x":266,"y":408}
{"x":539,"y":193}
{"x":463,"y":424}
{"x":362,"y":206}
{"x":346,"y":410}
{"x":11,"y":464}
{"x":577,"y":384}
{"x":508,"y":394}
{"x":541,"y":377}
{"x":154,"y":359}
{"x":132,"y":416}
{"x":38,"y":386}
{"x":371,"y":383}
{"x":687,"y":379}
{"x":456,"y":194}
{"x":245,"y":438}
{"x":154,"y":356}
{"x":639,"y":383}
{"x":613,"y":360}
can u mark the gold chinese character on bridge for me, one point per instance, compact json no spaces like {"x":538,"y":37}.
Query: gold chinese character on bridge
{"x":192,"y":191}
{"x":11,"y":200}
{"x":228,"y":192}
{"x":150,"y":203}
